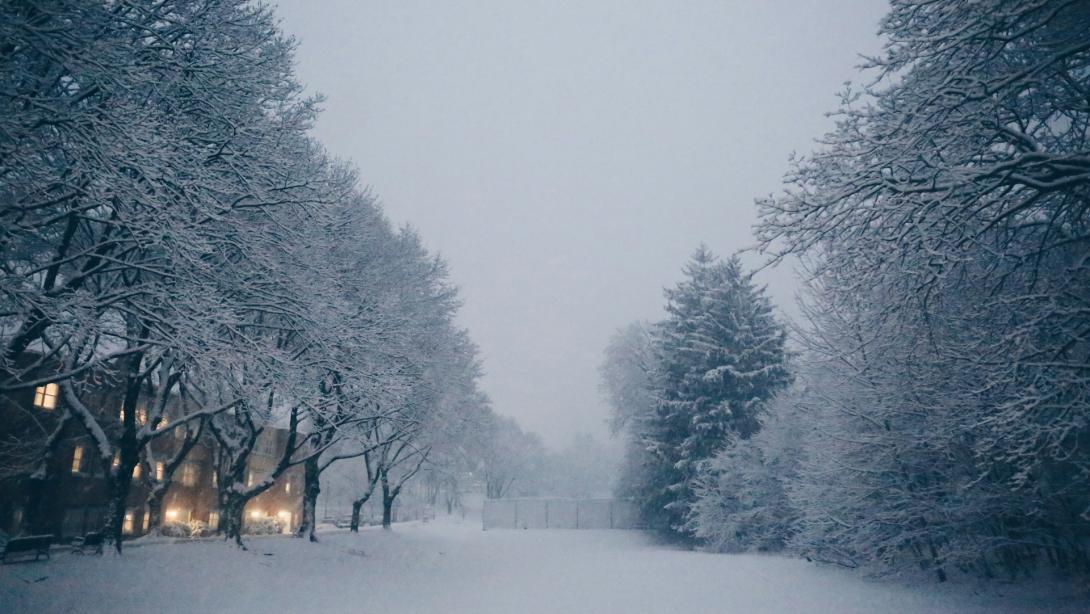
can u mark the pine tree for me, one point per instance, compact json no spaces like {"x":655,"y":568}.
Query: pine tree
{"x":721,"y":356}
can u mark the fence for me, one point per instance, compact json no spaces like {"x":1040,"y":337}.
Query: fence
{"x":559,"y":514}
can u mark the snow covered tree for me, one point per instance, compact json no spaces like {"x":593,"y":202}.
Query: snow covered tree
{"x":514,"y":460}
{"x":630,"y":383}
{"x":143,"y":147}
{"x":742,"y":500}
{"x":720,"y":357}
{"x":945,"y":226}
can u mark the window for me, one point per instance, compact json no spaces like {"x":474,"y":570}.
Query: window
{"x":126,"y":527}
{"x":287,"y":486}
{"x":215,"y":480}
{"x":141,"y":416}
{"x":117,"y":460}
{"x":16,"y":520}
{"x":285,"y":521}
{"x":249,"y":479}
{"x":189,"y":474}
{"x":159,"y":471}
{"x":45,"y":397}
{"x":77,"y":459}
{"x":136,"y":471}
{"x":213,"y":519}
{"x":147,"y":519}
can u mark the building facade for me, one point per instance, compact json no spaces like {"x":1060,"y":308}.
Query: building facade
{"x":73,"y":497}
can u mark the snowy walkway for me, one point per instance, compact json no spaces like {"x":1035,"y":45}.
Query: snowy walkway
{"x":448,"y":567}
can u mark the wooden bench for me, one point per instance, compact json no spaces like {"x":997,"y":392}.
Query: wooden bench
{"x":89,"y":543}
{"x":22,"y":547}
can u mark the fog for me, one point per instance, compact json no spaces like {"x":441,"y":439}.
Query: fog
{"x":567,"y":157}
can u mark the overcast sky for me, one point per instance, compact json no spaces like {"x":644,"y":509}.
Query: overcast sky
{"x":567,"y":157}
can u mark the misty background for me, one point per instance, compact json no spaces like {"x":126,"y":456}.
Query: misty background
{"x":567,"y":157}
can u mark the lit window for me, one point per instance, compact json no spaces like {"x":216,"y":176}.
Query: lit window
{"x":249,"y":479}
{"x":214,"y":519}
{"x":287,"y":486}
{"x":215,"y":480}
{"x":189,"y":474}
{"x":159,"y":471}
{"x":77,"y":459}
{"x":172,"y":515}
{"x":117,"y":460}
{"x":136,"y":471}
{"x":255,"y":514}
{"x":147,"y":519}
{"x":126,"y":527}
{"x":45,"y":396}
{"x":141,"y":416}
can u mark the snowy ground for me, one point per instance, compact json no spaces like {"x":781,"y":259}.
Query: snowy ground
{"x":456,"y":567}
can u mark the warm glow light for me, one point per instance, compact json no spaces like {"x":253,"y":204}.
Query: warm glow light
{"x":46,"y":396}
{"x":285,"y":514}
{"x":255,"y":514}
{"x":77,"y":459}
{"x":172,"y":514}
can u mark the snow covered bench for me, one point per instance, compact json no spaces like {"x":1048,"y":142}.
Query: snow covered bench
{"x":92,"y":542}
{"x":22,"y":547}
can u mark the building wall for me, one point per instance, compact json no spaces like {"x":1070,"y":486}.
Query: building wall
{"x":75,"y":497}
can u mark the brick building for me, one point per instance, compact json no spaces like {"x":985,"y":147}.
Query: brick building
{"x":73,"y":499}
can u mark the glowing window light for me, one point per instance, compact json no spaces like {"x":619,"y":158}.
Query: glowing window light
{"x":45,"y":397}
{"x":172,"y":514}
{"x":255,"y":514}
{"x":77,"y":459}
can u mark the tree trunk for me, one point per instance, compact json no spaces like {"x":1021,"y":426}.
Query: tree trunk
{"x":311,"y":489}
{"x":115,"y":515}
{"x":120,"y":483}
{"x":155,"y":510}
{"x":355,"y":525}
{"x":387,"y":503}
{"x":231,"y":512}
{"x":40,"y":480}
{"x":387,"y":512}
{"x":128,"y":455}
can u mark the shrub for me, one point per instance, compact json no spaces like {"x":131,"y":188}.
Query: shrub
{"x":264,"y":526}
{"x":175,"y":528}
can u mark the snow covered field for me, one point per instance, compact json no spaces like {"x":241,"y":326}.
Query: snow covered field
{"x":456,"y":567}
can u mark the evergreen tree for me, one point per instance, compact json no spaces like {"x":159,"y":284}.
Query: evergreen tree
{"x":721,"y":358}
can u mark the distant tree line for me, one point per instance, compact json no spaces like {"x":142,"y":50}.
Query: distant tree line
{"x":941,"y":404}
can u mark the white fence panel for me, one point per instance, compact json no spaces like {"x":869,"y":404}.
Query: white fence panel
{"x":500,"y":514}
{"x":625,"y":515}
{"x":594,"y":514}
{"x":563,"y":514}
{"x":532,"y":513}
{"x":559,"y":514}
